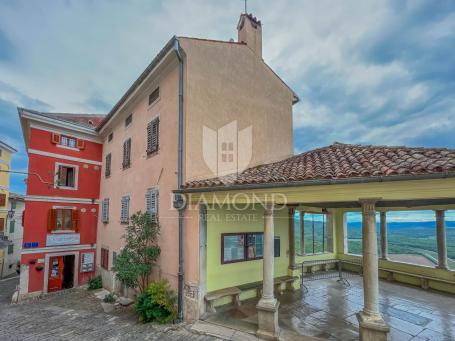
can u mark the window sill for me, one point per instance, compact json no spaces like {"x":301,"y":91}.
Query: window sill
{"x":152,"y":154}
{"x":66,"y":188}
{"x":63,"y":231}
{"x":67,"y":147}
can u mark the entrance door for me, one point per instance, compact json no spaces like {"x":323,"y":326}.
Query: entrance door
{"x":61,"y":273}
{"x":54,"y":282}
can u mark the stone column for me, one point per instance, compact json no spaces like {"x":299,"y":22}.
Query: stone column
{"x":291,"y":211}
{"x":302,"y":232}
{"x":383,"y":233}
{"x":267,"y":306}
{"x":372,"y":326}
{"x":442,"y":239}
{"x":329,"y":226}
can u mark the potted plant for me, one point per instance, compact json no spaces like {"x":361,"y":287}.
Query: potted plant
{"x":108,"y":303}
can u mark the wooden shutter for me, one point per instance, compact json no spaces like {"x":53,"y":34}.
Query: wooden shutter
{"x":23,"y":218}
{"x":107,"y":171}
{"x":124,"y":215}
{"x":2,"y":199}
{"x":75,"y":220}
{"x":80,"y":144}
{"x":51,"y":219}
{"x":105,"y":210}
{"x":2,"y":224}
{"x":55,"y":138}
{"x":152,"y":203}
{"x":127,"y":153}
{"x":153,"y":131}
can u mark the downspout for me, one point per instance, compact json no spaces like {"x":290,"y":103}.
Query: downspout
{"x":180,"y":208}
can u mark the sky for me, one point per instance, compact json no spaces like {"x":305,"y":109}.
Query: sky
{"x":371,"y":72}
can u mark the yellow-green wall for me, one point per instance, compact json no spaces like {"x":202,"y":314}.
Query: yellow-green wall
{"x":222,"y":220}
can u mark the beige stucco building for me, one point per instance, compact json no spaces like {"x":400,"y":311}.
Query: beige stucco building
{"x":230,"y":110}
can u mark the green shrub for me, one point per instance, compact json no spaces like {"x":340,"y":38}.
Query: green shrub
{"x":109,"y":298}
{"x":95,"y":283}
{"x":157,"y":303}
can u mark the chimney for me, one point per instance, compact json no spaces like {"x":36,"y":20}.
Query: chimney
{"x":250,"y":33}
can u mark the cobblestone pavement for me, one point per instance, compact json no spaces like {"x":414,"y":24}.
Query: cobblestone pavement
{"x":77,"y":315}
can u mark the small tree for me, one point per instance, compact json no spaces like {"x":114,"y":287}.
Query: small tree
{"x":134,"y":263}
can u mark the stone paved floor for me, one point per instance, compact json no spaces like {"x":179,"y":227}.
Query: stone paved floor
{"x":77,"y":315}
{"x":328,"y":311}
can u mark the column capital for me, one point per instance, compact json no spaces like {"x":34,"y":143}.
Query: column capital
{"x":368,"y":204}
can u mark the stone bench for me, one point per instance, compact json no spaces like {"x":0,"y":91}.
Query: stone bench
{"x":277,"y":281}
{"x":424,"y":280}
{"x":212,"y":296}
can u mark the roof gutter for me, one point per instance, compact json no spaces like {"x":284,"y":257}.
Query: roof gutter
{"x":322,"y":182}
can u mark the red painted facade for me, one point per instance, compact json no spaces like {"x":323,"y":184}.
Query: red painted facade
{"x":60,"y":218}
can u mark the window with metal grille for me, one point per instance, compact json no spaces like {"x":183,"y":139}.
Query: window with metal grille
{"x":107,"y":170}
{"x":153,"y":132}
{"x":151,"y":201}
{"x":125,"y":210}
{"x":154,"y":96}
{"x":128,"y":120}
{"x":105,"y":210}
{"x":126,"y":154}
{"x":104,"y":258}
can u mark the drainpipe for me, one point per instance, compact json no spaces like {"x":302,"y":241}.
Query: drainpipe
{"x":178,"y":198}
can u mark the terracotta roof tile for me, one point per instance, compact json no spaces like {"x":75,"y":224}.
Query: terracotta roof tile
{"x":342,"y":161}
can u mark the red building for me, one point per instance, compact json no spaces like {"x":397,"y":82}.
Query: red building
{"x":61,"y":207}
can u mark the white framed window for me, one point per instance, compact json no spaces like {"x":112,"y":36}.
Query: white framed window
{"x":151,"y":203}
{"x":66,"y":176}
{"x":125,"y":210}
{"x":105,"y":210}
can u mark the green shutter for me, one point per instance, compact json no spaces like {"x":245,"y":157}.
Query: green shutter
{"x":12,"y":224}
{"x":13,"y":204}
{"x":10,"y":249}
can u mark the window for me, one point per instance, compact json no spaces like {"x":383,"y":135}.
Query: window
{"x":63,"y":219}
{"x":105,"y":210}
{"x":105,"y":258}
{"x":315,"y":233}
{"x":128,"y":120}
{"x":450,"y":233}
{"x":114,"y":257}
{"x":227,"y":152}
{"x":154,"y":96}
{"x":126,"y":154}
{"x":354,"y":231}
{"x":412,"y":237}
{"x":2,"y":224}
{"x":66,"y":176}
{"x":110,"y":137}
{"x":67,"y":141}
{"x":13,"y":204}
{"x":125,"y":210}
{"x":2,"y":199}
{"x":153,"y":131}
{"x":107,"y":170}
{"x":12,"y":225}
{"x":239,"y":247}
{"x":10,"y":249}
{"x":151,"y":203}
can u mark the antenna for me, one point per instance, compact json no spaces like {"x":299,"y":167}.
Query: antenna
{"x":246,"y":3}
